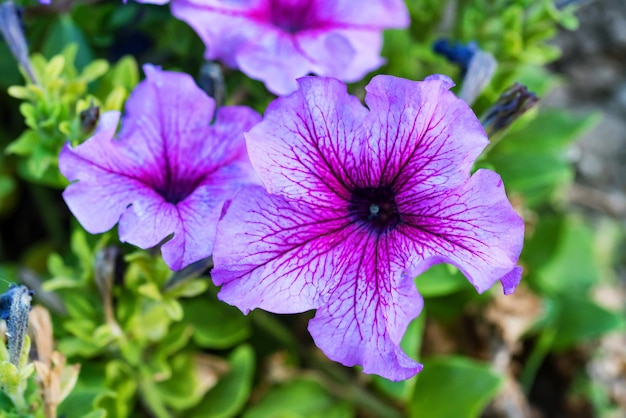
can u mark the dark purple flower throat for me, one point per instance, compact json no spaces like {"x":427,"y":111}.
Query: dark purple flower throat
{"x":374,"y":207}
{"x":176,"y":190}
{"x":292,"y":16}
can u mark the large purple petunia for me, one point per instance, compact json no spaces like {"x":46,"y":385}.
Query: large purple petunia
{"x":277,"y":41}
{"x":358,"y":202}
{"x":169,"y":171}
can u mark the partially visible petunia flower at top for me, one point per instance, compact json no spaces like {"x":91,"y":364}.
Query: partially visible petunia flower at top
{"x":357,"y":202}
{"x":278,"y":41}
{"x":152,"y":1}
{"x":169,"y":171}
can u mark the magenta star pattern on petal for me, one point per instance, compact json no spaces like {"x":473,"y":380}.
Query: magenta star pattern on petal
{"x":278,"y":41}
{"x":357,"y":203}
{"x":169,"y":171}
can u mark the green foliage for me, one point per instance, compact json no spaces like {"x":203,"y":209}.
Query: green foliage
{"x":51,"y":108}
{"x":232,"y":392}
{"x":532,"y":158}
{"x":453,"y":387}
{"x":14,"y":384}
{"x":301,"y":398}
{"x":146,"y":339}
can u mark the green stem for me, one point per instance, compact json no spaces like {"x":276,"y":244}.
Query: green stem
{"x":538,"y":354}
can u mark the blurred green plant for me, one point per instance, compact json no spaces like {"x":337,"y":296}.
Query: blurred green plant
{"x":52,"y":109}
{"x":145,"y":335}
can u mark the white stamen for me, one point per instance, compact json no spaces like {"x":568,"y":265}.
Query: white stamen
{"x":374,"y":209}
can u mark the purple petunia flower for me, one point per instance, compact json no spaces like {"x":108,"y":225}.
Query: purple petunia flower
{"x":357,"y":203}
{"x":152,"y":1}
{"x":277,"y":41}
{"x":168,"y":172}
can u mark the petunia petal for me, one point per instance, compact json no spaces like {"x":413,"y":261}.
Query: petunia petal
{"x":356,"y":327}
{"x":107,"y":179}
{"x":422,"y":134}
{"x":192,"y":223}
{"x":366,"y":56}
{"x":265,"y":60}
{"x":161,"y":116}
{"x":511,"y":280}
{"x":275,"y":254}
{"x":351,"y":13}
{"x":369,"y":310}
{"x":473,"y":227}
{"x":170,"y":172}
{"x":281,"y":256}
{"x":214,"y":22}
{"x":278,"y":41}
{"x":308,"y":145}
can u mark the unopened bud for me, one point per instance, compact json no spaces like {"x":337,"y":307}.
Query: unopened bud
{"x":477,"y":66}
{"x":14,"y":308}
{"x":211,"y":80}
{"x":11,"y":29}
{"x":512,"y":104}
{"x":89,"y":118}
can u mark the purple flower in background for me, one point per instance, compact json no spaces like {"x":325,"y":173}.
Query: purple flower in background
{"x":357,"y":203}
{"x":152,"y":1}
{"x":278,"y":41}
{"x":168,"y":172}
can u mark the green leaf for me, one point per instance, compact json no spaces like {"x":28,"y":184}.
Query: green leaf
{"x":21,"y":92}
{"x":94,"y":70}
{"x":98,"y":413}
{"x":581,"y":319}
{"x":80,"y":401}
{"x":124,"y":74}
{"x":230,"y":395}
{"x":300,"y":399}
{"x":153,"y":322}
{"x":173,"y":309}
{"x":532,"y":160}
{"x":9,"y":377}
{"x":550,"y":130}
{"x":55,"y":66}
{"x":453,"y":387}
{"x":216,"y":324}
{"x":24,"y":145}
{"x":176,"y":339}
{"x":183,"y":396}
{"x":572,"y":268}
{"x":440,"y":280}
{"x":188,"y":289}
{"x":119,"y":402}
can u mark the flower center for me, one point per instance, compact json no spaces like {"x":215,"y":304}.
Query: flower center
{"x":177,"y":190}
{"x":292,"y":16}
{"x":375,"y":207}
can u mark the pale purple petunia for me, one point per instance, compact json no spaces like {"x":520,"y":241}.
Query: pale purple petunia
{"x":357,"y":203}
{"x":152,"y":1}
{"x":278,"y":41}
{"x":169,"y":171}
